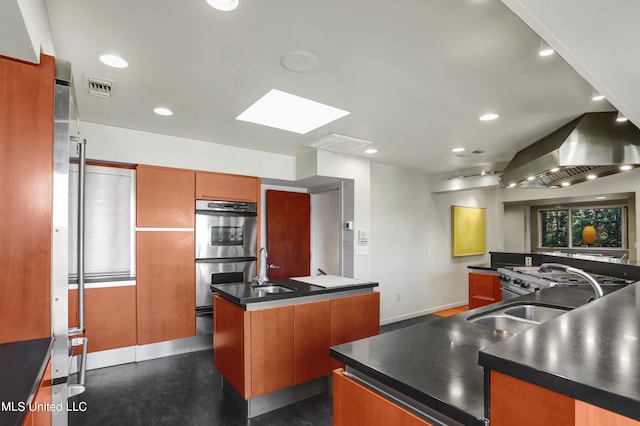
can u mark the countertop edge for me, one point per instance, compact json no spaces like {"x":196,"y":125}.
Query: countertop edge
{"x":421,"y":397}
{"x":586,"y":393}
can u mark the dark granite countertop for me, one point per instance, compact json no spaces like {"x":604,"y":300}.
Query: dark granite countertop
{"x":436,"y":363}
{"x":245,"y":293}
{"x":23,"y":364}
{"x":483,"y":266}
{"x":591,"y":353}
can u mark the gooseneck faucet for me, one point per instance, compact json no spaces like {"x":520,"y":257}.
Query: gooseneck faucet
{"x":262,"y":277}
{"x":546,"y":267}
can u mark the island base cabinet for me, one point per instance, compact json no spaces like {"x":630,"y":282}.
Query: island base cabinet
{"x":271,"y":349}
{"x":484,"y":289}
{"x":354,"y":404}
{"x":535,"y":405}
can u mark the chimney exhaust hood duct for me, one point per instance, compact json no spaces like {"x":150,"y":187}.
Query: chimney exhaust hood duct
{"x":594,"y":143}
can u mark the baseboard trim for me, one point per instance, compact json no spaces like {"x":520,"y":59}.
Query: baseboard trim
{"x":421,"y":313}
{"x":126,"y":355}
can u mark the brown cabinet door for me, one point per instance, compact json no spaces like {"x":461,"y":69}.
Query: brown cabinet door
{"x":484,"y":289}
{"x":164,"y":197}
{"x":354,"y":404}
{"x":271,"y":349}
{"x":355,"y":317}
{"x":231,"y":333}
{"x":225,"y":187}
{"x":165,"y":285}
{"x":110,"y":316}
{"x":26,"y":173}
{"x":311,"y":340}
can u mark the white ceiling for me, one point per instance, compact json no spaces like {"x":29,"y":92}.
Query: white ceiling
{"x":415,"y":74}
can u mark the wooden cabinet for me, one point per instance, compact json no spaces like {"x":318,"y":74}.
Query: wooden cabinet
{"x":311,"y":340}
{"x":232,"y":332}
{"x":484,"y":289}
{"x":271,"y":349}
{"x":225,"y":187}
{"x":536,"y":405}
{"x":268,"y":349}
{"x":26,"y":173}
{"x":353,"y":318}
{"x":164,"y":197}
{"x":165,"y":289}
{"x":354,"y":404}
{"x":110,"y":316}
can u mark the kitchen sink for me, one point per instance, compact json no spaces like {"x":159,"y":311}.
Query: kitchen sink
{"x":535,"y":312}
{"x":504,"y":323}
{"x":271,"y":289}
{"x":517,"y":318}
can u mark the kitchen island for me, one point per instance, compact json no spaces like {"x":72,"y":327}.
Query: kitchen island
{"x":271,"y":342}
{"x":431,"y":370}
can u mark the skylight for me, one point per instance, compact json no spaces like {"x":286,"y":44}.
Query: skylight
{"x":289,"y":112}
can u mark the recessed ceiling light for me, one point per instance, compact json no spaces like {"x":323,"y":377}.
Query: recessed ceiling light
{"x":601,"y":197}
{"x":370,"y":151}
{"x":621,"y":117}
{"x":163,"y":111}
{"x":555,"y":169}
{"x":224,"y":5}
{"x":565,"y":184}
{"x":596,"y":96}
{"x":114,"y":61}
{"x":488,"y":117}
{"x":531,"y":178}
{"x":289,"y":112}
{"x":458,"y":149}
{"x":511,"y":185}
{"x":626,"y":167}
{"x":591,"y":177}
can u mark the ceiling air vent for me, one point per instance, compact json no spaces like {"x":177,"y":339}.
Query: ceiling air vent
{"x":338,"y":143}
{"x":100,"y":87}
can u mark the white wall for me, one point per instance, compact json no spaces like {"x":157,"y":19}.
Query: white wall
{"x":107,"y":143}
{"x":326,"y":222}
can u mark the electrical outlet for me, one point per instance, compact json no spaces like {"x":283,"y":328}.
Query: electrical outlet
{"x":397,"y":297}
{"x":527,"y":261}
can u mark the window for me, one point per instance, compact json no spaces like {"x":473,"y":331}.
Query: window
{"x":563,"y":228}
{"x":109,"y":222}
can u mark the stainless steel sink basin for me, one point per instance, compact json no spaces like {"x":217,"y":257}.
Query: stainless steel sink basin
{"x":504,"y":323}
{"x":271,"y":289}
{"x":517,"y":318}
{"x":535,"y":312}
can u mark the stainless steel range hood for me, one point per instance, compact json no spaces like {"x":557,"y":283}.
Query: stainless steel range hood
{"x":594,"y":143}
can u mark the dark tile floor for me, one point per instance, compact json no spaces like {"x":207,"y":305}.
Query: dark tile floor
{"x":185,"y":390}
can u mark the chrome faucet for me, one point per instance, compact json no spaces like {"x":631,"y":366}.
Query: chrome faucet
{"x":546,"y":267}
{"x":261,"y":279}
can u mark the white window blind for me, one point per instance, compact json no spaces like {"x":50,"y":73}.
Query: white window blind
{"x":109,"y":222}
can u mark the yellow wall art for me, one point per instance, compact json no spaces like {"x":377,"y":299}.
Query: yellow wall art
{"x":468,"y":231}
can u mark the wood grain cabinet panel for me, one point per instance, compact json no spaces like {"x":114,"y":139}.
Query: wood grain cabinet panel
{"x":110,"y":316}
{"x":484,"y":289}
{"x":271,"y":349}
{"x":353,"y":318}
{"x":232,"y":344}
{"x":590,"y":415}
{"x":226,"y":187}
{"x":164,"y":197}
{"x":536,"y":406}
{"x":165,"y":290}
{"x":354,"y":404}
{"x":26,"y":140}
{"x":311,"y":340}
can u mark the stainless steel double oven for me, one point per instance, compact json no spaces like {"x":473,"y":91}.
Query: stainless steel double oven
{"x":226,"y":248}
